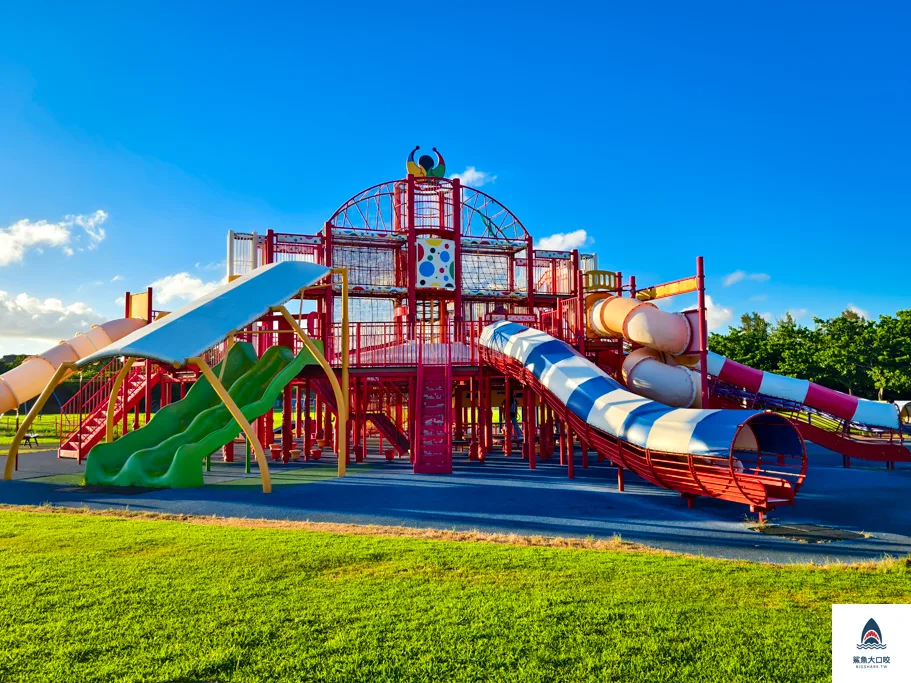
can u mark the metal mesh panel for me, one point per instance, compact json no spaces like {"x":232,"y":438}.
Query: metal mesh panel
{"x":486,"y":271}
{"x":367,"y":265}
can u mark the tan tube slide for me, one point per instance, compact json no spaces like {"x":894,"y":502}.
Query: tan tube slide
{"x":28,"y":380}
{"x":653,"y":371}
{"x":652,"y":374}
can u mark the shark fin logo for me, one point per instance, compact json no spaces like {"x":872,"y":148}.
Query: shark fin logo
{"x":872,"y":637}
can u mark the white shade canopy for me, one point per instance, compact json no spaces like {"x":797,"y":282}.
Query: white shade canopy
{"x":193,"y":329}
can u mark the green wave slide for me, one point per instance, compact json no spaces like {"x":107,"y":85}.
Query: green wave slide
{"x":168,"y":452}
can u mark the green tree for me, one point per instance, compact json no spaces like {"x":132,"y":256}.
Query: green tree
{"x":846,"y":354}
{"x":891,"y":367}
{"x":795,"y":350}
{"x":747,"y":344}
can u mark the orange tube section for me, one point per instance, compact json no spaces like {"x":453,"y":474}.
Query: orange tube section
{"x":28,"y":380}
{"x":648,"y":373}
{"x":651,"y":371}
{"x":641,"y":323}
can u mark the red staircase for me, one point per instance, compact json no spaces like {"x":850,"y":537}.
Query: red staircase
{"x":390,"y":432}
{"x":83,"y":418}
{"x":322,"y":388}
{"x":433,"y":438}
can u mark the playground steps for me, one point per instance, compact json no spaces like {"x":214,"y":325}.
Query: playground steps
{"x":93,"y":427}
{"x":390,"y":432}
{"x":433,"y":440}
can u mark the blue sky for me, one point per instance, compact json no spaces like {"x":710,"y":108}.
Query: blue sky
{"x":772,"y":140}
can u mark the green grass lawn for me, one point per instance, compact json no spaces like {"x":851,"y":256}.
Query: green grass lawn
{"x":94,"y":598}
{"x":46,"y":427}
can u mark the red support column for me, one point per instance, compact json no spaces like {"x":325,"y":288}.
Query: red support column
{"x":563,"y":455}
{"x":297,"y":420}
{"x":148,"y":391}
{"x":530,"y":273}
{"x":411,"y":266}
{"x":488,"y":417}
{"x":270,"y":246}
{"x":457,"y":255}
{"x":481,"y":419}
{"x":570,"y":454}
{"x":528,"y":419}
{"x":703,"y":333}
{"x":308,"y":423}
{"x":474,"y":398}
{"x":328,"y":435}
{"x":580,"y":322}
{"x":507,"y":417}
{"x":287,"y":430}
{"x":317,"y":417}
{"x":412,"y":421}
{"x":544,"y":439}
{"x":458,"y":435}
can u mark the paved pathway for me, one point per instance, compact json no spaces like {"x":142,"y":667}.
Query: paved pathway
{"x":502,"y":495}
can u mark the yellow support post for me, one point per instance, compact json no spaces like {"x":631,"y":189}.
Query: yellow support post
{"x":341,"y":396}
{"x":229,"y":342}
{"x":343,"y":425}
{"x":13,"y":454}
{"x":244,"y":423}
{"x":118,"y":382}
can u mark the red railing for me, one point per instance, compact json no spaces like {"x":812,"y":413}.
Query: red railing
{"x":78,"y":431}
{"x":560,"y":322}
{"x":391,"y":345}
{"x":91,"y":396}
{"x":553,"y":276}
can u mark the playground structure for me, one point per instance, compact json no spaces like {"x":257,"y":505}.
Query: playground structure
{"x":425,"y":312}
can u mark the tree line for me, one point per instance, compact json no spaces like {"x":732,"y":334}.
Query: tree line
{"x":865,"y":358}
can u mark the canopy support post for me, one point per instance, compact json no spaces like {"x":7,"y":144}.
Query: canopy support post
{"x":236,"y":413}
{"x":112,"y":401}
{"x":341,"y":395}
{"x":13,"y":454}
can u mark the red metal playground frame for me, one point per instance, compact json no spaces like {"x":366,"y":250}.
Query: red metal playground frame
{"x":407,"y":339}
{"x":769,"y":481}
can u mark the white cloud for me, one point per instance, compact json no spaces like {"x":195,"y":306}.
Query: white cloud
{"x":181,"y":286}
{"x":92,"y":226}
{"x":861,"y":312}
{"x":797,"y":313}
{"x":49,"y":320}
{"x":214,"y":265}
{"x":563,"y":241}
{"x":117,"y":278}
{"x":740,"y":275}
{"x":717,"y":316}
{"x":473,"y":177}
{"x":120,"y":300}
{"x":767,"y":316}
{"x":759,"y":297}
{"x":25,"y":235}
